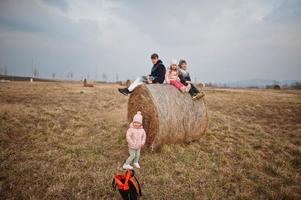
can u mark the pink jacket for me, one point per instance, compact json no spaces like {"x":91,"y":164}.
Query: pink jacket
{"x":135,"y":137}
{"x":171,"y":75}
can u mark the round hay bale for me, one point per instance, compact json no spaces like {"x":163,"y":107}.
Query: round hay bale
{"x":169,"y":116}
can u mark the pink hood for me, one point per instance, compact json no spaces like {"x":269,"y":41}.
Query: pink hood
{"x":135,"y":137}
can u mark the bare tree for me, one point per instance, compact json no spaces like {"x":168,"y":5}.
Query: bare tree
{"x":5,"y":71}
{"x":71,"y":75}
{"x":104,"y":77}
{"x":276,"y":82}
{"x":96,"y":72}
{"x":117,"y":78}
{"x":53,"y":75}
{"x":32,"y":69}
{"x":35,"y":73}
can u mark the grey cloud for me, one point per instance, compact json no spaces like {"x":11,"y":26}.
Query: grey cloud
{"x":222,"y":40}
{"x":60,"y":4}
{"x":287,"y":12}
{"x":36,"y":18}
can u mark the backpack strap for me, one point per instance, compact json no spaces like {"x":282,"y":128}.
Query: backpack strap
{"x":113,"y":184}
{"x":123,"y":185}
{"x":126,"y":177}
{"x":137,"y":185}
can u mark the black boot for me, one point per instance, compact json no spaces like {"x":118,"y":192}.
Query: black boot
{"x":124,"y":91}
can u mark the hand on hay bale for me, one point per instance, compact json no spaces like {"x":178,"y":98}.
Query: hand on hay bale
{"x":169,"y":115}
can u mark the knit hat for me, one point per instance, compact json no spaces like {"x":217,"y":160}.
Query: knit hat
{"x":138,"y":117}
{"x":173,"y":62}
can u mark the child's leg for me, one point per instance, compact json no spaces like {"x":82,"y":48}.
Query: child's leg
{"x":137,"y":156}
{"x":177,"y":84}
{"x":194,"y":89}
{"x":187,"y":88}
{"x":136,"y":83}
{"x":180,"y":86}
{"x":132,"y":156}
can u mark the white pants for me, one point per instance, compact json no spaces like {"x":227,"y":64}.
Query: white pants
{"x":139,"y":81}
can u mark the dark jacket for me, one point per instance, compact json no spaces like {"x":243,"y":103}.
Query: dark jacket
{"x":158,"y":72}
{"x":183,"y":78}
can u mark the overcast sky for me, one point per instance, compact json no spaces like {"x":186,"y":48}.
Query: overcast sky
{"x":221,"y":40}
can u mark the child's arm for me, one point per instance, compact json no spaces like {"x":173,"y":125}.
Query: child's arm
{"x":188,"y":77}
{"x":167,"y":77}
{"x":143,"y":139}
{"x":182,"y":80}
{"x":129,"y":138}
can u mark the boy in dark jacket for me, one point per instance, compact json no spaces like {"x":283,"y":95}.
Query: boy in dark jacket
{"x":157,"y":76}
{"x":185,"y":80}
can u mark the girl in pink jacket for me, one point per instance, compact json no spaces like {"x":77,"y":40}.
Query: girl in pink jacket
{"x":172,"y":77}
{"x":135,"y":137}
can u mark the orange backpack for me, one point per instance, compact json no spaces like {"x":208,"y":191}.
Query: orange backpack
{"x":128,"y":185}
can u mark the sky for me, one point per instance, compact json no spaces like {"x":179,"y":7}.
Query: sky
{"x":221,"y":40}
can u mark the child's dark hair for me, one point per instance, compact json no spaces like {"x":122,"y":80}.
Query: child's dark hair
{"x":181,"y":62}
{"x":154,"y":56}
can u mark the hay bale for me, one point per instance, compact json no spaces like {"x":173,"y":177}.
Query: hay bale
{"x":128,"y":83}
{"x":87,"y":84}
{"x":168,"y":115}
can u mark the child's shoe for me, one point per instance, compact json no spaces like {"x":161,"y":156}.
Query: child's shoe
{"x":201,"y":94}
{"x":126,"y":166}
{"x":188,"y":87}
{"x":137,"y":165}
{"x":198,"y":96}
{"x":124,"y":91}
{"x":195,"y":97}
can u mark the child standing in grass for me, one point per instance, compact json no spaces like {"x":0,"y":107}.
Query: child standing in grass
{"x":135,"y":137}
{"x":172,"y":77}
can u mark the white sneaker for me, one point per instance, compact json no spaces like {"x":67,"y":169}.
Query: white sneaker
{"x":125,"y":166}
{"x":137,"y":165}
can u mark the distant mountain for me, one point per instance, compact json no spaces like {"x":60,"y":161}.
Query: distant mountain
{"x":259,"y":82}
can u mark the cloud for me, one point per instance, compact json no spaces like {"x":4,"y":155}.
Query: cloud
{"x":38,"y":18}
{"x":287,"y":12}
{"x":222,"y":41}
{"x":63,"y":5}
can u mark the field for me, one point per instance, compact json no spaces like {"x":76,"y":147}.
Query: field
{"x":64,"y":141}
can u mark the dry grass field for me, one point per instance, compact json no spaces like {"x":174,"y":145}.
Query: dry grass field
{"x":64,"y":141}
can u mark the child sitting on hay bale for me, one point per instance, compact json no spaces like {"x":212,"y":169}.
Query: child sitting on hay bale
{"x":172,"y":77}
{"x":135,"y":137}
{"x":157,"y":76}
{"x":186,"y":80}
